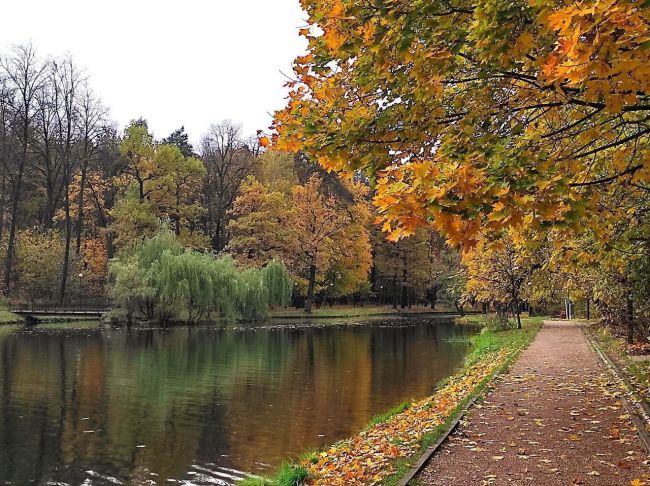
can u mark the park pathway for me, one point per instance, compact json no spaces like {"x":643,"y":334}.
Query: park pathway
{"x":553,"y":419}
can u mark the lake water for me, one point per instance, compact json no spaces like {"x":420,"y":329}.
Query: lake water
{"x":82,"y":405}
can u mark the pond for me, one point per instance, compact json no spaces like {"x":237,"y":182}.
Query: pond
{"x":82,"y":404}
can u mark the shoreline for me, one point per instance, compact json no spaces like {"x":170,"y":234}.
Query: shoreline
{"x":402,"y":447}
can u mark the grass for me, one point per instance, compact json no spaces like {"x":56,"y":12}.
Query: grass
{"x":288,"y":475}
{"x":293,"y":474}
{"x":349,"y":311}
{"x":7,"y":317}
{"x":383,"y":417}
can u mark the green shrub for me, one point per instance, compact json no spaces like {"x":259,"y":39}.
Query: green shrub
{"x":494,"y":323}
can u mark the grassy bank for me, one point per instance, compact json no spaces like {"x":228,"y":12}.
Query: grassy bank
{"x":392,"y":442}
{"x":7,"y":317}
{"x":350,"y":311}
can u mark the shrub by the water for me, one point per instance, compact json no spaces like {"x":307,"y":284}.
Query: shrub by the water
{"x":158,"y":278}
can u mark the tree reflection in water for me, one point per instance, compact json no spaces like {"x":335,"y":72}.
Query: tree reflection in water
{"x":158,"y":404}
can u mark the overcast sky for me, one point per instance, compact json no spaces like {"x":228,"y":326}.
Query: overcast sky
{"x":187,"y":62}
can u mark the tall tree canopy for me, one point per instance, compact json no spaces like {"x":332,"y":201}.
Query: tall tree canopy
{"x":476,"y":116}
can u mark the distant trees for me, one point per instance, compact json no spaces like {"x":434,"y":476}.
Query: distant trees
{"x":323,"y":236}
{"x":229,"y":160}
{"x":158,"y":181}
{"x":498,"y":271}
{"x":52,"y":129}
{"x":22,"y":78}
{"x":322,"y":228}
{"x":414,"y":269}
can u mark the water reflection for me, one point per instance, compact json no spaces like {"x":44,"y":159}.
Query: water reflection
{"x":197,"y":403}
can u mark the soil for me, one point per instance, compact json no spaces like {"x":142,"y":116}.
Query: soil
{"x":554,"y":419}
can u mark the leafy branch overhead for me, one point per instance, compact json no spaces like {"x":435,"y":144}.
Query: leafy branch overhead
{"x":478,"y":116}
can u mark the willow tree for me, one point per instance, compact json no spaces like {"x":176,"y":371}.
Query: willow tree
{"x":165,"y":281}
{"x":277,"y":281}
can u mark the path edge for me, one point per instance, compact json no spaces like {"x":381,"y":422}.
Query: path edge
{"x":480,"y":392}
{"x":634,"y":412}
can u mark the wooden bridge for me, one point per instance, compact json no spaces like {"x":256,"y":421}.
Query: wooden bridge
{"x":37,"y":312}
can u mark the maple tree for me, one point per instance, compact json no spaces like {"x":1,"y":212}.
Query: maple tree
{"x":478,"y":116}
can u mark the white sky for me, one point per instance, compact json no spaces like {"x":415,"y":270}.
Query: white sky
{"x":183,"y":62}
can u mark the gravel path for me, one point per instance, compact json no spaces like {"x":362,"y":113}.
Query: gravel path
{"x":554,"y":418}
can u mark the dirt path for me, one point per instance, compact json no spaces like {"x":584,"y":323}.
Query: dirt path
{"x":553,"y":419}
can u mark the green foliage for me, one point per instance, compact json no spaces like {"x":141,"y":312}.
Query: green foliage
{"x":160,"y":279}
{"x":277,"y":281}
{"x":133,"y":218}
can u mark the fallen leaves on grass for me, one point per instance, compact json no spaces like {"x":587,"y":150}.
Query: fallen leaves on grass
{"x":368,"y":457}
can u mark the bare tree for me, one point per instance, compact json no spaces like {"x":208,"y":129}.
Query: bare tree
{"x":229,"y":159}
{"x":66,"y":85}
{"x":24,"y":73}
{"x":92,"y":117}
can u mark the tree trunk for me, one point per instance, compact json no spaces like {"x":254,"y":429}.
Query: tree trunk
{"x":404,"y":281}
{"x":310,"y":289}
{"x":630,"y":319}
{"x":434,"y":296}
{"x":80,"y":206}
{"x":14,"y":216}
{"x":68,"y":235}
{"x":3,"y":200}
{"x":459,"y":308}
{"x":394,"y":292}
{"x":588,"y":308}
{"x":517,"y":312}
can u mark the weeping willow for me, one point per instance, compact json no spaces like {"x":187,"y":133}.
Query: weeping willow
{"x":277,"y":281}
{"x":159,"y":279}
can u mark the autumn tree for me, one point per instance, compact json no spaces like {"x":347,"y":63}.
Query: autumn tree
{"x":178,"y":187}
{"x":318,"y":221}
{"x":498,"y":271}
{"x":259,"y":225}
{"x":321,"y":234}
{"x":137,"y":148}
{"x":477,"y":121}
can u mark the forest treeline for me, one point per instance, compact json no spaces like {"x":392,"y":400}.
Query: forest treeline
{"x":77,"y":191}
{"x":79,"y":195}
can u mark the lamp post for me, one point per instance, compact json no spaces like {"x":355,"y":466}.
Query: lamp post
{"x":81,"y":275}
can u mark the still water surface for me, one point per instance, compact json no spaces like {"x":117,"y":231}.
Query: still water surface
{"x":82,"y":405}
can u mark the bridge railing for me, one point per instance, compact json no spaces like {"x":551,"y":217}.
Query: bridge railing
{"x":58,"y":308}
